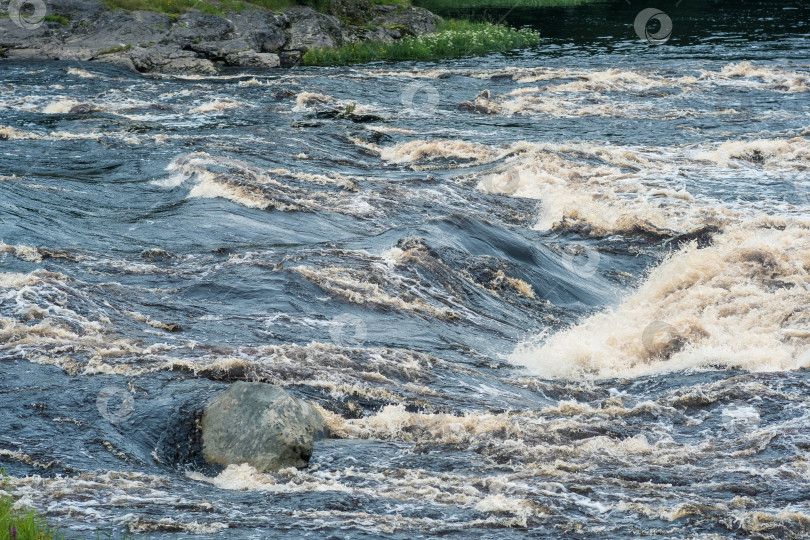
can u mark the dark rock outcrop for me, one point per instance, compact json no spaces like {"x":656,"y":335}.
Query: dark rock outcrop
{"x":309,"y":29}
{"x":412,"y":21}
{"x":253,"y":59}
{"x":199,"y":27}
{"x":262,"y":30}
{"x":219,"y":50}
{"x":169,"y":59}
{"x":262,"y":425}
{"x":77,"y":10}
{"x":113,"y":30}
{"x":199,"y":42}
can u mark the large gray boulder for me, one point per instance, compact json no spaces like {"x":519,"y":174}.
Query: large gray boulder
{"x":310,"y":29}
{"x":253,"y":59}
{"x":198,"y":27}
{"x":168,"y":59}
{"x":219,"y":50}
{"x":15,"y":37}
{"x":79,"y":11}
{"x":261,"y":425}
{"x":199,"y":42}
{"x":410,"y":21}
{"x":116,"y":29}
{"x":357,"y":12}
{"x":263,"y":30}
{"x":235,"y":52}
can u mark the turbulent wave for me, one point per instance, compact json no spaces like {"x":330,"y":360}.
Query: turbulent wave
{"x":777,"y":79}
{"x":253,"y":187}
{"x":780,"y":154}
{"x":740,"y":303}
{"x":571,"y":300}
{"x":607,"y":189}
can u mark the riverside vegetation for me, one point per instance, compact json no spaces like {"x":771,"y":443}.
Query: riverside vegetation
{"x":28,"y":524}
{"x":18,"y":524}
{"x":453,"y":38}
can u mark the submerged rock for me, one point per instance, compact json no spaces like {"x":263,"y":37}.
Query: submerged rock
{"x":262,"y":425}
{"x":483,"y":104}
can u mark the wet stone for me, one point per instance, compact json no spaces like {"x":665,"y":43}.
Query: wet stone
{"x":262,"y":425}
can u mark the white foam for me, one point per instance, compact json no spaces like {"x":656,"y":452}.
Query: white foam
{"x":741,"y":303}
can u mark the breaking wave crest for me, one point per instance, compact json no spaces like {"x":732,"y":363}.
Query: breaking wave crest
{"x":741,"y":303}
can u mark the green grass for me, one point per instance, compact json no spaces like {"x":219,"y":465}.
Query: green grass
{"x":444,"y":5}
{"x":28,"y":525}
{"x":453,"y":38}
{"x":120,"y":48}
{"x":22,"y":524}
{"x":64,"y":21}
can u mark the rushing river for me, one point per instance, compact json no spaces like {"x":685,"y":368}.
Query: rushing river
{"x":575,"y":306}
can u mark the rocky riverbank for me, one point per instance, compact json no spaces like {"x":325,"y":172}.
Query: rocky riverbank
{"x":146,"y":41}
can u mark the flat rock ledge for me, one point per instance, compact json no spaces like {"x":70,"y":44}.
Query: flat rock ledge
{"x":262,"y":425}
{"x":201,"y":43}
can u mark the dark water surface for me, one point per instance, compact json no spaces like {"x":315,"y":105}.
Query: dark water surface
{"x":580,"y":311}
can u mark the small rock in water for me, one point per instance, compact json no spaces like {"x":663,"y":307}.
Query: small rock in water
{"x":83,"y":108}
{"x":262,"y":425}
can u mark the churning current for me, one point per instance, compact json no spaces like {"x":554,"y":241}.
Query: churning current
{"x":555,"y":292}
